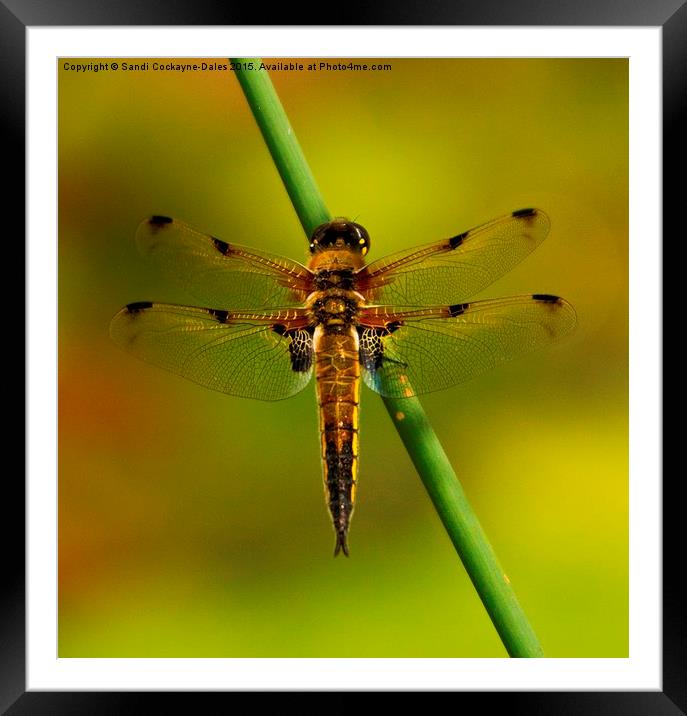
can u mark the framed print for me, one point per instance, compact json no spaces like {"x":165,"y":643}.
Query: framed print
{"x":177,"y":538}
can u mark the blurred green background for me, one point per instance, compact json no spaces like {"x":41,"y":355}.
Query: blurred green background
{"x":193,"y":524}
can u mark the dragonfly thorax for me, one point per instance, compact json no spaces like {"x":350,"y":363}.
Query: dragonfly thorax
{"x":334,"y":278}
{"x":335,"y":307}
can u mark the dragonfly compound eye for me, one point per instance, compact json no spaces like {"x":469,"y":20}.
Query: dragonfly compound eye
{"x":340,"y":234}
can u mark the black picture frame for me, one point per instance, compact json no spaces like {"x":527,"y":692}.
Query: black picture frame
{"x":17,"y":15}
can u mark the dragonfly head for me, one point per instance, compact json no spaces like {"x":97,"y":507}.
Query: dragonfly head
{"x":338,"y":234}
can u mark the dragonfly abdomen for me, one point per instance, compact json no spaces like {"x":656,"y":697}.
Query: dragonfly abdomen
{"x":337,"y":370}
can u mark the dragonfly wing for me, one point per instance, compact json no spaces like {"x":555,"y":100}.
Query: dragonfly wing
{"x":267,"y":356}
{"x":220,"y":274}
{"x":407,"y":353}
{"x":457,"y":268}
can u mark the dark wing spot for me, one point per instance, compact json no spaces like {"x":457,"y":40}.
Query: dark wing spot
{"x":159,"y":220}
{"x":455,"y":241}
{"x":300,"y":350}
{"x":371,"y":348}
{"x":138,"y":306}
{"x":457,"y":309}
{"x":546,"y":298}
{"x":221,"y":246}
{"x":300,"y":347}
{"x":525,"y":212}
{"x":221,"y":316}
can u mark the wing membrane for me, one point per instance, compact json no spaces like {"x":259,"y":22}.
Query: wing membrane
{"x":266,"y":356}
{"x":220,"y":274}
{"x":454,"y":269}
{"x":431,"y":349}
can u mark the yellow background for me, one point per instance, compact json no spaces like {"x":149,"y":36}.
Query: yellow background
{"x":193,"y":524}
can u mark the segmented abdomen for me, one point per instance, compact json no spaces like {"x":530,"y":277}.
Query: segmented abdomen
{"x":337,"y":370}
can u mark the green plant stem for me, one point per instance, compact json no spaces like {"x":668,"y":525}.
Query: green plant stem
{"x":283,"y":145}
{"x":408,"y":416}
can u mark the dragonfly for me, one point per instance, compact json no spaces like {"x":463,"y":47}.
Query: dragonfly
{"x":403,"y":324}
